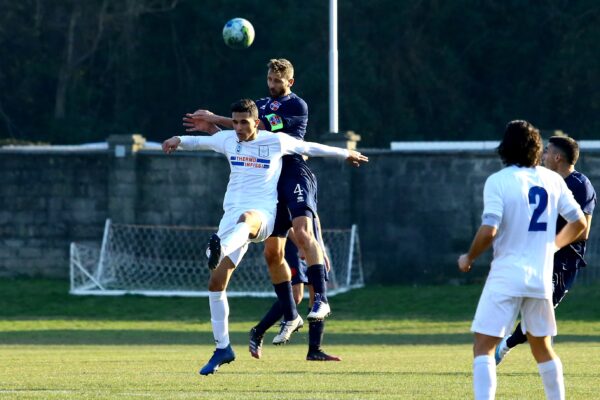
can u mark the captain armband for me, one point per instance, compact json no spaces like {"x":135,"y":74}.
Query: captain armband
{"x":275,"y":122}
{"x":491,"y":220}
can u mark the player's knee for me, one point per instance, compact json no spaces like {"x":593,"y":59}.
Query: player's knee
{"x":304,"y":239}
{"x":215,"y":285}
{"x":274,"y":256}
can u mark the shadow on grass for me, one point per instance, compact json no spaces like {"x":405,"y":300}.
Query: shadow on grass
{"x":159,"y":337}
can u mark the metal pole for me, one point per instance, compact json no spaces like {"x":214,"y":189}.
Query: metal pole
{"x":333,"y":68}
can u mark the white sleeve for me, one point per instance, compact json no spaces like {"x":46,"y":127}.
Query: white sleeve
{"x":290,"y":145}
{"x":568,"y":207}
{"x":213,"y":142}
{"x":492,"y":198}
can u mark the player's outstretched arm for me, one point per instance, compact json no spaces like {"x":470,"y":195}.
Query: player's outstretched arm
{"x":214,"y":142}
{"x":291,"y":145}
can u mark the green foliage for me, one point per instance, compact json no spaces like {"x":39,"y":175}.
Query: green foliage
{"x":77,"y":71}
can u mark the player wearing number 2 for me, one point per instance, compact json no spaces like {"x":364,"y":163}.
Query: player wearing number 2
{"x":521,"y":205}
{"x":561,"y":155}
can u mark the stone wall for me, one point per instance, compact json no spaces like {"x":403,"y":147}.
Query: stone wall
{"x":416,"y":211}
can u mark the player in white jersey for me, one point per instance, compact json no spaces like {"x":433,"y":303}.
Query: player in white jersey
{"x":250,"y":202}
{"x":521,"y":205}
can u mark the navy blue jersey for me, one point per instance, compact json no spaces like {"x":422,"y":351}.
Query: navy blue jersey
{"x":287,"y":114}
{"x":585,"y":195}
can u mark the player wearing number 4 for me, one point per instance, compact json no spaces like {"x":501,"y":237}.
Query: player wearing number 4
{"x":285,"y":112}
{"x":521,"y":205}
{"x":560,"y":156}
{"x":250,"y":202}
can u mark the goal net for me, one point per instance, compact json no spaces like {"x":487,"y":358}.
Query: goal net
{"x":171,"y":261}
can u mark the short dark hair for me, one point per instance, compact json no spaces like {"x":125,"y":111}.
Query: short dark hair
{"x":567,"y":146}
{"x":521,"y":145}
{"x":245,"y":106}
{"x":282,"y":67}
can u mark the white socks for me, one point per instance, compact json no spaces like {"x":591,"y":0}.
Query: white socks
{"x":484,"y":377}
{"x":219,"y":318}
{"x":236,"y":240}
{"x":552,"y":378}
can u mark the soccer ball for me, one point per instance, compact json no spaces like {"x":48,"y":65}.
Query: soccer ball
{"x":238,"y":33}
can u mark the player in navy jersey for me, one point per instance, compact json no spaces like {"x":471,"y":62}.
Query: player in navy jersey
{"x":561,"y":155}
{"x":284,"y":111}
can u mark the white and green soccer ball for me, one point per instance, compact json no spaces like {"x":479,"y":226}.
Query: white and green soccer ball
{"x":238,"y":33}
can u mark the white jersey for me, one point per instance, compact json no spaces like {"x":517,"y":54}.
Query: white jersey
{"x":528,"y":202}
{"x":256,"y":165}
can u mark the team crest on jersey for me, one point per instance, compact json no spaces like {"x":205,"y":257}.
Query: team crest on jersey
{"x":263,"y":151}
{"x":275,"y":105}
{"x":238,"y":148}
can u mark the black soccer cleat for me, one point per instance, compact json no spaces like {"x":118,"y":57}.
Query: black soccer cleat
{"x":320,"y":355}
{"x":214,"y":251}
{"x":256,"y":342}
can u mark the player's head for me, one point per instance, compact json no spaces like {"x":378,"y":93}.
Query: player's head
{"x":521,"y":145}
{"x":561,"y":150}
{"x":280,"y":77}
{"x":244,"y":116}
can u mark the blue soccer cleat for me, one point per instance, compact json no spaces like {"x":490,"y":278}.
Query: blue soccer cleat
{"x":501,"y":350}
{"x":214,"y":251}
{"x":220,"y":357}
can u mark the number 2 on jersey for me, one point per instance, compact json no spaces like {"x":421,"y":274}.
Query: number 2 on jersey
{"x":539,"y":196}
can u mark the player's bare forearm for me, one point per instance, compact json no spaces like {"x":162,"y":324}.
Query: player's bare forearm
{"x":481,"y":242}
{"x":570,"y":232}
{"x":586,"y":232}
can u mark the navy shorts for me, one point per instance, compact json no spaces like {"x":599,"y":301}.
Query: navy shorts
{"x":297,"y":197}
{"x":564,"y":274}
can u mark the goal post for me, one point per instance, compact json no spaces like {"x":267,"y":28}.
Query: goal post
{"x":156,"y":260}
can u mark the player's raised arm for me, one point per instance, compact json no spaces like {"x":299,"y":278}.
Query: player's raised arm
{"x":291,"y":145}
{"x":198,"y":118}
{"x":191,"y":123}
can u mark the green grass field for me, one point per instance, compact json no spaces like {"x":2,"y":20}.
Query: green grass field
{"x":396,"y":343}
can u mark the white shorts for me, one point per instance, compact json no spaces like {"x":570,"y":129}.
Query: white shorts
{"x":230,"y":220}
{"x":496,"y":315}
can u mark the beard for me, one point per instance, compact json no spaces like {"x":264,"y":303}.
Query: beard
{"x":276,"y":92}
